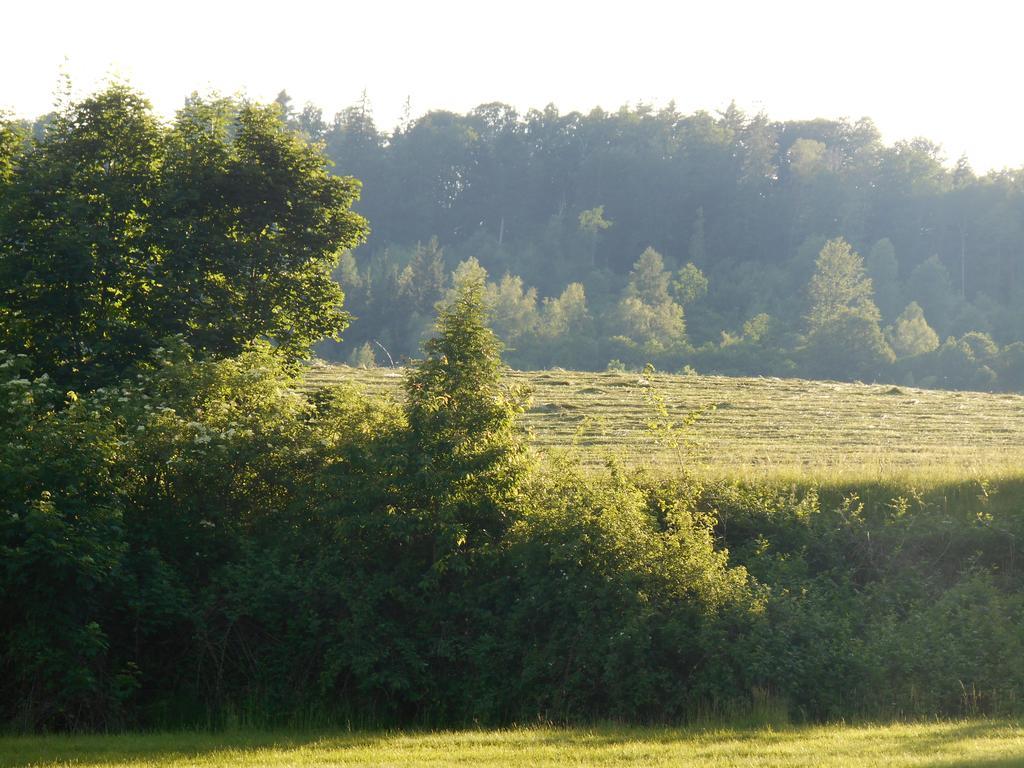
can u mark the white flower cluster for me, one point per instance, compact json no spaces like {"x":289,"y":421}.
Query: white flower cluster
{"x":205,"y":434}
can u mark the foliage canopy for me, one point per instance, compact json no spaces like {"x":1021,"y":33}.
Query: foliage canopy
{"x":117,"y":231}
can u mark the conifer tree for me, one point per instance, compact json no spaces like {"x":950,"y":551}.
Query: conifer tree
{"x":839,"y":285}
{"x":844,"y":334}
{"x":468,"y":455}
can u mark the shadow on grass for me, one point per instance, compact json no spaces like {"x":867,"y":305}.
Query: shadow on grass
{"x":931,"y":746}
{"x":128,"y":749}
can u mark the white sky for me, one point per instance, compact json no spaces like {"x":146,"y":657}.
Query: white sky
{"x":945,"y":70}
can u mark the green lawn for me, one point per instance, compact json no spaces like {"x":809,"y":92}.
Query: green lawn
{"x":987,"y":744}
{"x":807,"y":430}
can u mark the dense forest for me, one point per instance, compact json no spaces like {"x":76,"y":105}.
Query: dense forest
{"x":650,"y":236}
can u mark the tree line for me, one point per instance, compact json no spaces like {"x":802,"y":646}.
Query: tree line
{"x":562,"y":211}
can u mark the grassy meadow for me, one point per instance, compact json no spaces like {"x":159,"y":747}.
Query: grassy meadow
{"x":763,"y":428}
{"x":981,"y":743}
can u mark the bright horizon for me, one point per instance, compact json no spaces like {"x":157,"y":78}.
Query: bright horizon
{"x":938,"y":70}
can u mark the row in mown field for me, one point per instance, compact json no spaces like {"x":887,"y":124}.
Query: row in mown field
{"x":762,"y":427}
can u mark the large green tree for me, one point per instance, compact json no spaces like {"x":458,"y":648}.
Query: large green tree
{"x":839,"y":284}
{"x":844,"y":336}
{"x":117,"y":231}
{"x":647,"y":316}
{"x":911,"y":335}
{"x":467,"y":454}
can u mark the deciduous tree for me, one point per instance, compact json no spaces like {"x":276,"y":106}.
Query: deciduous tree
{"x":911,"y":335}
{"x":118,"y":231}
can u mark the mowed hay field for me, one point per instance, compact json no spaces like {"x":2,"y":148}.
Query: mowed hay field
{"x":760,"y":426}
{"x":986,"y":744}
